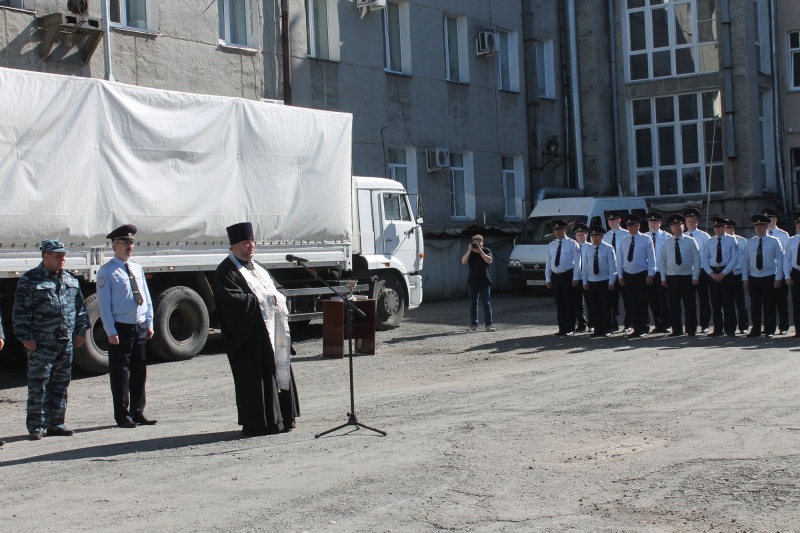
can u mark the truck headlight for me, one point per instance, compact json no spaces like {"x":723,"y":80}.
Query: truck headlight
{"x":514,"y":263}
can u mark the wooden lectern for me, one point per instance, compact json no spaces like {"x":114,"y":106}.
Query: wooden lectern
{"x":334,"y":328}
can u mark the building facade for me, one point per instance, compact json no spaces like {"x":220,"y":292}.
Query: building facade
{"x":787,"y":38}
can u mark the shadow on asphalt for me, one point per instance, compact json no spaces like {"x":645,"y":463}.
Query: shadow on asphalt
{"x":124,"y":448}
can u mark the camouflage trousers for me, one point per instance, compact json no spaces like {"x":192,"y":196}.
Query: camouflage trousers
{"x":49,"y":374}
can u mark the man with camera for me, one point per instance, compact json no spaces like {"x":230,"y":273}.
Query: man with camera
{"x":478,"y":258}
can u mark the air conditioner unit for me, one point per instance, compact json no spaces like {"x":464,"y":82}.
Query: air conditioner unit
{"x":438,"y":159}
{"x":487,"y":43}
{"x":372,"y":4}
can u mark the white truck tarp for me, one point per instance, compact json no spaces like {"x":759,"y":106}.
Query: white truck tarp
{"x":79,"y":157}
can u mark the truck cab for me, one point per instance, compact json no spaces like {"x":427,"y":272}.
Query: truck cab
{"x":527,"y":261}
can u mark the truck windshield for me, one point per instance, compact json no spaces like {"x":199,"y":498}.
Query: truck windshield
{"x":539,"y":230}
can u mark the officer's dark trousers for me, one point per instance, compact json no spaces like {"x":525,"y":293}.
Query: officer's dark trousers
{"x":722,"y":306}
{"x":616,"y":294}
{"x":680,"y":290}
{"x":565,"y":301}
{"x":636,"y":301}
{"x":657,"y":300}
{"x":796,"y":300}
{"x":49,"y":374}
{"x":741,"y":307}
{"x":127,"y":369}
{"x":762,"y":296}
{"x":782,"y":305}
{"x":598,"y":300}
{"x":580,"y":311}
{"x":704,"y":299}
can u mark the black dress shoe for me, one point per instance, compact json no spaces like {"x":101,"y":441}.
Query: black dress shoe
{"x":754,"y":334}
{"x":59,"y":432}
{"x":144,"y":421}
{"x":675,"y":334}
{"x":580,"y":329}
{"x":769,"y":335}
{"x":783,"y":331}
{"x":731,"y":334}
{"x":704,"y":330}
{"x":716,"y":334}
{"x":662,"y":330}
{"x":691,"y":333}
{"x":127,"y":423}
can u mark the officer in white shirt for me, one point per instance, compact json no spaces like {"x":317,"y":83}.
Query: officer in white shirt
{"x":680,"y":266}
{"x":581,"y":231}
{"x":599,"y":275}
{"x":719,"y":257}
{"x":791,"y":269}
{"x":782,"y":292}
{"x":636,"y":265}
{"x":762,"y":274}
{"x":692,"y":218}
{"x":742,"y":317}
{"x":614,"y":237}
{"x":563,"y":256}
{"x":656,"y":293}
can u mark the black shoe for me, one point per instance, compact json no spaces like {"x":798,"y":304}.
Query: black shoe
{"x":754,"y":334}
{"x":769,"y":335}
{"x":127,"y":423}
{"x":691,"y":333}
{"x":662,"y":330}
{"x":36,"y":434}
{"x":60,"y":432}
{"x":704,"y":330}
{"x":141,"y":420}
{"x":627,"y":329}
{"x":783,"y":331}
{"x":568,"y":334}
{"x":716,"y":334}
{"x":675,"y":334}
{"x":580,"y":329}
{"x":796,"y":336}
{"x":731,"y":334}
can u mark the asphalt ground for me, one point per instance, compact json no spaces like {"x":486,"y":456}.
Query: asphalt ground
{"x":516,"y":430}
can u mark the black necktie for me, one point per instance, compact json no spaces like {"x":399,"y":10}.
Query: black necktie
{"x":719,"y":251}
{"x":653,"y":236}
{"x":558,"y":254}
{"x":596,"y":266}
{"x":759,"y":256}
{"x":614,"y":241}
{"x":678,"y":258}
{"x":797,"y":256}
{"x":134,"y":287}
{"x":630,"y":250}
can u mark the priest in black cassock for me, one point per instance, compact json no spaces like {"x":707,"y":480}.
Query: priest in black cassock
{"x":255,"y":327}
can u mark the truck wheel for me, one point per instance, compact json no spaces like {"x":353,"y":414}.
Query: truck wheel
{"x":391,"y":305}
{"x":180,"y":324}
{"x":93,"y":355}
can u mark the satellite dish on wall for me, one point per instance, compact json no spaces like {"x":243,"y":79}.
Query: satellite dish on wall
{"x":78,"y":7}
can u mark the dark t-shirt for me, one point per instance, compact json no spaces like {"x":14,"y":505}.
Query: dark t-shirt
{"x":479,"y":270}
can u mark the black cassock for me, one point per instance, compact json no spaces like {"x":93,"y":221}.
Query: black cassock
{"x":247,"y":343}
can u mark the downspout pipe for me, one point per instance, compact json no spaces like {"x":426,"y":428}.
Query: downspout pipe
{"x":107,"y":29}
{"x":614,"y":98}
{"x":287,"y":61}
{"x":775,"y":103}
{"x":575,"y":94}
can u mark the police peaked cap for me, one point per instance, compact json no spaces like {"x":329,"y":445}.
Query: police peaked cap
{"x":243,"y":231}
{"x":52,"y":245}
{"x":654,"y":215}
{"x":613,"y":214}
{"x":676,"y":219}
{"x":560,"y":224}
{"x":580,"y":226}
{"x":770,"y":212}
{"x":718,"y":221}
{"x":125,"y":232}
{"x":597,"y":230}
{"x":632,"y":219}
{"x":692,"y":212}
{"x":730,"y":222}
{"x":759,"y":219}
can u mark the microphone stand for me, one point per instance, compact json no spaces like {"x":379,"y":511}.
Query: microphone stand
{"x":352,"y":420}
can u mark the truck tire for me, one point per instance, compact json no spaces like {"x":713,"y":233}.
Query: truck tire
{"x":180,"y":324}
{"x":93,"y":355}
{"x":391,"y":304}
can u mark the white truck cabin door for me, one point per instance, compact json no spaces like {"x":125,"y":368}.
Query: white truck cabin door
{"x":399,"y":229}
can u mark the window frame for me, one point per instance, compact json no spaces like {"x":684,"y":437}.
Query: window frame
{"x":225,"y":22}
{"x":545,"y":69}
{"x":515,"y":174}
{"x":151,"y":16}
{"x":331,"y":29}
{"x":468,"y":187}
{"x":509,"y":55}
{"x":681,"y":167}
{"x":461,"y":49}
{"x":23,"y":5}
{"x":794,"y":60}
{"x":403,"y":39}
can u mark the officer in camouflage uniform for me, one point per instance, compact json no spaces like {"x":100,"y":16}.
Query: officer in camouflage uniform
{"x":48,"y":315}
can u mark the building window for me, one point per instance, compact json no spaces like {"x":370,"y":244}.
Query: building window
{"x":666,"y":39}
{"x":677,"y":144}
{"x":795,"y":162}
{"x":794,"y":53}
{"x":29,"y":5}
{"x":234,"y":22}
{"x":323,"y":29}
{"x":462,"y":186}
{"x":139,"y":14}
{"x":508,"y":62}
{"x":545,"y":69}
{"x":455,"y":48}
{"x":398,"y":168}
{"x":513,"y":187}
{"x":396,"y":38}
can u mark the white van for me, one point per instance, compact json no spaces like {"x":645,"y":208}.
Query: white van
{"x":528,"y":258}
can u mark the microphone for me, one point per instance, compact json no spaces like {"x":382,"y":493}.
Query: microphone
{"x":294,"y":259}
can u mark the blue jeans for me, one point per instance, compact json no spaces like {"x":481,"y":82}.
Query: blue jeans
{"x":484,"y":293}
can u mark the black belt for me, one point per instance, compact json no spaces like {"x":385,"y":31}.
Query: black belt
{"x":717,"y":270}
